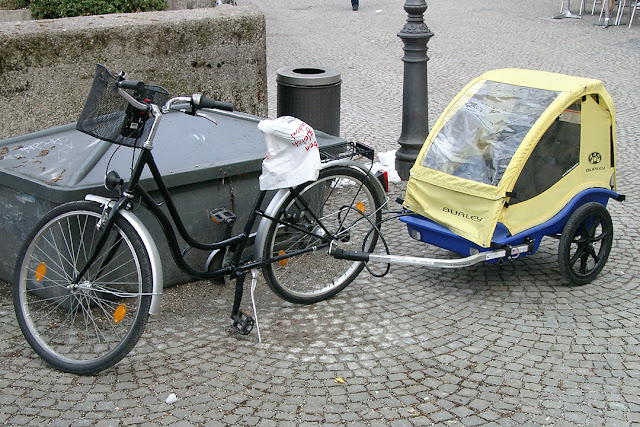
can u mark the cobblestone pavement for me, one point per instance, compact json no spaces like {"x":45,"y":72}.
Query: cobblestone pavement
{"x":480,"y":346}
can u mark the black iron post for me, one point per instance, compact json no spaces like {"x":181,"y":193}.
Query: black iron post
{"x":415,"y":112}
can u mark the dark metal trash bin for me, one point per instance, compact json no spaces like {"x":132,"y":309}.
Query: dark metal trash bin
{"x":204,"y":165}
{"x":311,"y":94}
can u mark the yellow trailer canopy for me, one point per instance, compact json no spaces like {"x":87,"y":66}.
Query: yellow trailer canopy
{"x":514,"y":146}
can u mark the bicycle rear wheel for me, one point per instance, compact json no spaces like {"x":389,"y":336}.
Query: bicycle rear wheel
{"x":342,"y":205}
{"x":87,"y":327}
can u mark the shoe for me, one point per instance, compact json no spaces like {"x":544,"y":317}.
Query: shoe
{"x":355,"y":7}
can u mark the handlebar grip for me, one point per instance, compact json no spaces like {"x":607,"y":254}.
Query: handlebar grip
{"x":131,"y":84}
{"x":220,"y":105}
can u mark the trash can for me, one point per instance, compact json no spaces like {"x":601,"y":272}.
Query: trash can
{"x":312,"y":94}
{"x":204,"y":165}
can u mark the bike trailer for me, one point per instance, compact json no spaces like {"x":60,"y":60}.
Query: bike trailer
{"x":514,"y":154}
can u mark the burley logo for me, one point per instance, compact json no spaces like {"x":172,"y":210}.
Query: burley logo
{"x":595,"y":158}
{"x":461,"y":214}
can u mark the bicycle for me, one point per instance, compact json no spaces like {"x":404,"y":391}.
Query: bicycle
{"x":88,"y":274}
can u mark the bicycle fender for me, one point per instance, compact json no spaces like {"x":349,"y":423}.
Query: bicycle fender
{"x":265,"y":223}
{"x":150,"y":246}
{"x":364,"y":169}
{"x":281,"y":195}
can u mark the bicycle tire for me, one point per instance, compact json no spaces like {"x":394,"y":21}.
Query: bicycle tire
{"x":85,"y":328}
{"x":585,"y":243}
{"x":316,"y":276}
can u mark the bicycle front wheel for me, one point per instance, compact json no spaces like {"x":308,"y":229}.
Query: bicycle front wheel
{"x":90,"y":326}
{"x":342,"y":205}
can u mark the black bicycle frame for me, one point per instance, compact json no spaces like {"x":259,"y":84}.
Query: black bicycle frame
{"x":237,"y":268}
{"x":238,"y":243}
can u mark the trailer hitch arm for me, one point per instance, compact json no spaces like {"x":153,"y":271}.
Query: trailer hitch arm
{"x":511,"y":252}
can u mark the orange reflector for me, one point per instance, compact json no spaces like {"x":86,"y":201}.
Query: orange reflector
{"x":360,"y":207}
{"x":118,"y":315}
{"x":41,"y":270}
{"x":282,"y":262}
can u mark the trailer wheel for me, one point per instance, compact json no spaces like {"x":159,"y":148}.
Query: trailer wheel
{"x":585,"y":243}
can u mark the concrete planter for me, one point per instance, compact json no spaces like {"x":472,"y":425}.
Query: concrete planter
{"x":48,"y":64}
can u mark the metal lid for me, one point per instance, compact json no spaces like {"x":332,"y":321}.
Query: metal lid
{"x":62,"y":164}
{"x":309,"y":75}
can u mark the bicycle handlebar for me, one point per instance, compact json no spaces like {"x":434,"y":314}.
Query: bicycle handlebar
{"x":195,"y":101}
{"x":199,"y":101}
{"x":132,"y":101}
{"x":131,"y":84}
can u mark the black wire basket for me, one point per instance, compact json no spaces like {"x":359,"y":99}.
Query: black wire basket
{"x":108,"y":116}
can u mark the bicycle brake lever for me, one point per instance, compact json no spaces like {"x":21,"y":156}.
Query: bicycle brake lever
{"x":203,"y":115}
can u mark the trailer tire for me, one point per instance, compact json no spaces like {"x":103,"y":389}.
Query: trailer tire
{"x":585,"y":243}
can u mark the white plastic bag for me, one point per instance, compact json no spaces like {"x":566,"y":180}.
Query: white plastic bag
{"x":293,"y":157}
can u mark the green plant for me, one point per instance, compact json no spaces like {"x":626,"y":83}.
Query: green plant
{"x":13,"y":4}
{"x":44,"y":9}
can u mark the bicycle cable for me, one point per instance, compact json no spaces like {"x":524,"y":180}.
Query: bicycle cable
{"x":394,"y":216}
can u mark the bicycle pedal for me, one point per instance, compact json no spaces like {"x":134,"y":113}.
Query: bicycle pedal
{"x":222,"y":216}
{"x":242,"y":323}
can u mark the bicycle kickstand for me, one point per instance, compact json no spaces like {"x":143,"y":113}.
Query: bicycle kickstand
{"x":242,"y":322}
{"x":254,"y":282}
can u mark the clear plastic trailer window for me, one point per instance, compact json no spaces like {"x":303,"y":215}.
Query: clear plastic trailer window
{"x":480,"y":138}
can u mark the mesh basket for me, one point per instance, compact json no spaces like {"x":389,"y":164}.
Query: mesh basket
{"x":108,"y":116}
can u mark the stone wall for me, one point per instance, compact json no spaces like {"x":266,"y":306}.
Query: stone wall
{"x":46,"y":66}
{"x":190,"y":4}
{"x":14,"y":15}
